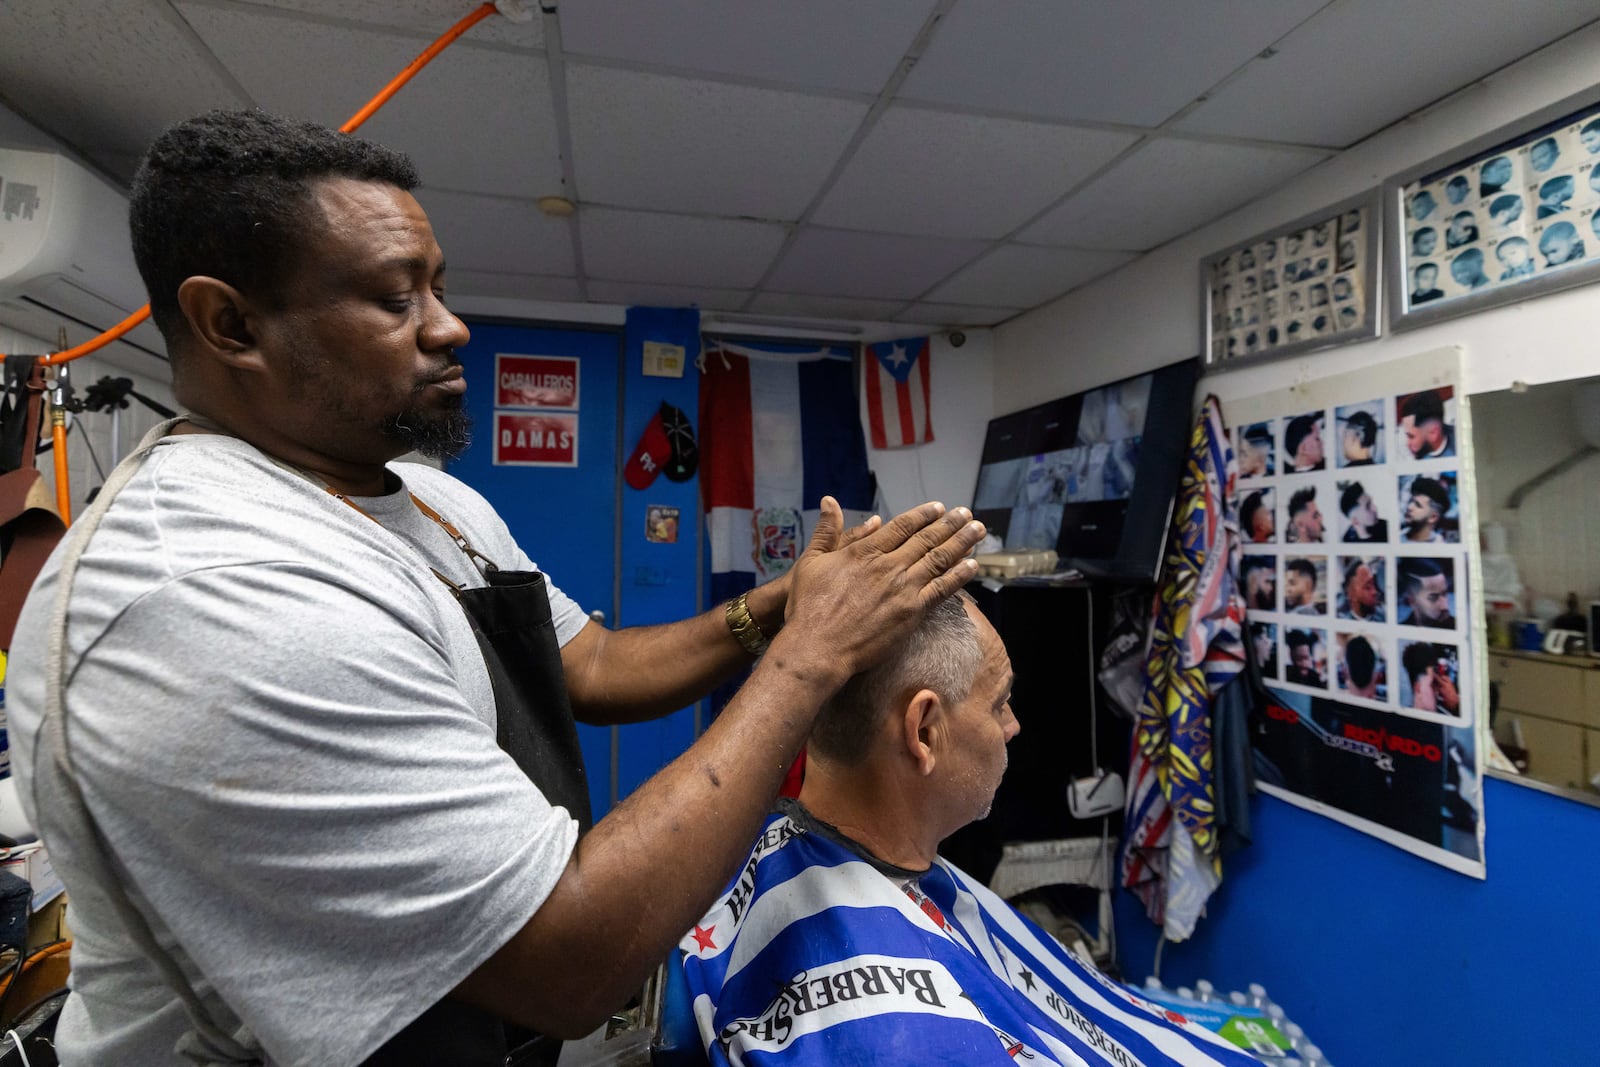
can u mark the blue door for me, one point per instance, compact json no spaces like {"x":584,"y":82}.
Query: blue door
{"x":565,"y":517}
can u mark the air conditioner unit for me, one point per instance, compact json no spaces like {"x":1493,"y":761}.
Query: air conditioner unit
{"x":65,"y":259}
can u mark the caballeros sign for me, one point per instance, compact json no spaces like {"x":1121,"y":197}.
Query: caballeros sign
{"x":535,"y":381}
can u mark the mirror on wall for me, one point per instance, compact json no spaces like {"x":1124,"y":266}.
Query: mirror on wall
{"x":1537,"y":454}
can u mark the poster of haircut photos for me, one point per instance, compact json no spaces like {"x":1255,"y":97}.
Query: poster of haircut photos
{"x":1306,"y":284}
{"x":1527,"y":208}
{"x":1353,"y":497}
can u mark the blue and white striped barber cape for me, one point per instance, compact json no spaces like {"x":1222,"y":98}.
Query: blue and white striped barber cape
{"x":816,"y":956}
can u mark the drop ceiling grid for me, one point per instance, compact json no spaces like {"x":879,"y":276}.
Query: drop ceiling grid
{"x":643,"y":294}
{"x":89,"y":65}
{"x":867,"y":265}
{"x":427,"y":17}
{"x":1165,"y":188}
{"x":639,"y":246}
{"x":1026,"y":274}
{"x":1353,"y":69}
{"x":823,"y":307}
{"x":1135,"y":61}
{"x":842,"y":45}
{"x":653,"y":141}
{"x":933,"y":173}
{"x":480,"y":233}
{"x":505,"y":145}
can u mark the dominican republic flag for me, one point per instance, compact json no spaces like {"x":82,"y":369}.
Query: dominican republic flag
{"x":897,"y":393}
{"x":779,"y":430}
{"x":815,"y":957}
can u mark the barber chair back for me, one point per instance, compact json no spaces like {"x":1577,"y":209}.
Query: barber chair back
{"x":676,"y":1042}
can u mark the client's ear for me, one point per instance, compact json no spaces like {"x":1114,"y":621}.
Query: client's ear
{"x":920,"y":723}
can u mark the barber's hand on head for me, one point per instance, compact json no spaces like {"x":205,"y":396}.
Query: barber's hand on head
{"x":855,"y":592}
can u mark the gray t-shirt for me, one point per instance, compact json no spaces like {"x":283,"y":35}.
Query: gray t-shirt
{"x":282,"y":724}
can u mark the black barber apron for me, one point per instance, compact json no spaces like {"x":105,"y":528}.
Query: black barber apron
{"x":511,"y":619}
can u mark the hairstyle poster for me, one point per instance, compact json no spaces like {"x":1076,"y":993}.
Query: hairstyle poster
{"x":1354,"y":500}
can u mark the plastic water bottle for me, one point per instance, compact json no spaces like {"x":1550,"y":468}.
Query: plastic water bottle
{"x":1313,"y":1057}
{"x":1296,"y":1036}
{"x":1185,"y":992}
{"x":1238,"y":999}
{"x":1206,"y":990}
{"x":1153,"y":984}
{"x":1258,"y":995}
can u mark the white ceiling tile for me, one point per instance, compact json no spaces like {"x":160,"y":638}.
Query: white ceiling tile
{"x":823,"y":307}
{"x":1166,"y":188}
{"x":439,"y":118}
{"x":1363,"y":64}
{"x":432,"y":17}
{"x":828,"y":44}
{"x":468,"y":283}
{"x":943,"y":175}
{"x":638,"y":246}
{"x":644,"y":140}
{"x":88,"y":70}
{"x":956,"y":314}
{"x":642,"y":294}
{"x":1134,"y":61}
{"x":1025,"y":275}
{"x":868,"y":265}
{"x":482,"y":233}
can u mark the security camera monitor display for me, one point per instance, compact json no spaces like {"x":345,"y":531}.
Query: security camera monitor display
{"x":1091,"y":475}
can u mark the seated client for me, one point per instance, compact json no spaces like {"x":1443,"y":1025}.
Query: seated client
{"x":845,"y":939}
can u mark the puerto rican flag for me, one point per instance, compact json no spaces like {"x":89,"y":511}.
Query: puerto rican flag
{"x":897,"y":393}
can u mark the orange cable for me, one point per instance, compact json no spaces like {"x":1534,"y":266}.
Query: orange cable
{"x":478,"y":14}
{"x":58,"y":440}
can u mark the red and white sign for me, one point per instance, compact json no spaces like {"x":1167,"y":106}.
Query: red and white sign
{"x":536,"y":439}
{"x":535,"y":381}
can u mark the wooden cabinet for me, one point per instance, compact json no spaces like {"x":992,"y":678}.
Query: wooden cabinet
{"x":1553,"y":702}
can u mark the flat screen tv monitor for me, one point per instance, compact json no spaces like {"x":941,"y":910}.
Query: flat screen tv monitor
{"x":1092,"y":475}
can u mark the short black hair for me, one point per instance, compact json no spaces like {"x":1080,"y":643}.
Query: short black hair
{"x":1426,"y":406}
{"x":1258,"y":434}
{"x":1360,"y":660}
{"x":1295,"y":638}
{"x":229,"y":194}
{"x":1366,"y":425}
{"x":1414,"y":570}
{"x":1434,"y":490}
{"x":1350,"y":568}
{"x":1301,"y":500}
{"x":1417,"y":658}
{"x":1299,"y":428}
{"x":1247,"y":511}
{"x":1255,"y":563}
{"x":1302,"y":566}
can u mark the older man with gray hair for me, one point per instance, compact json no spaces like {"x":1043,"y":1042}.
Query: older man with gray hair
{"x":846,"y":939}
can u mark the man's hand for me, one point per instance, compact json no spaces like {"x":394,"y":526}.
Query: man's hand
{"x":769,"y":603}
{"x":854,"y":592}
{"x":1449,"y":697}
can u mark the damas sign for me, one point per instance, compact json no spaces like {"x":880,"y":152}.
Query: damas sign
{"x":536,"y":439}
{"x":535,"y":381}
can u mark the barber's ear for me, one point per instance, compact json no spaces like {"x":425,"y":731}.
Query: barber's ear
{"x":219,"y":320}
{"x":920,"y":725}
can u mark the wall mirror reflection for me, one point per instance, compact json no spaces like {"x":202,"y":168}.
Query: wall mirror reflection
{"x":1538,"y":472}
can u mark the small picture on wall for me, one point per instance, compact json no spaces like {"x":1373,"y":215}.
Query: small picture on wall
{"x":1430,"y":677}
{"x":1427,"y":423}
{"x":1307,"y":657}
{"x":1303,"y":445}
{"x":1264,"y":638}
{"x":1360,"y":434}
{"x":1360,"y":519}
{"x":1303,"y":524}
{"x":1426,"y":592}
{"x":1257,"y":523}
{"x":1258,"y":577}
{"x":1430,"y":510}
{"x":1305,"y":585}
{"x":1361,"y":588}
{"x":1255,"y":450}
{"x":1363,"y":668}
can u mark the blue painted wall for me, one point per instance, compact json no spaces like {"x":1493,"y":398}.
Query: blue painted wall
{"x":659,"y":582}
{"x":1386,"y":959}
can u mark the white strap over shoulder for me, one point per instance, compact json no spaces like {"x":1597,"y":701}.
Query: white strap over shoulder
{"x":56,"y":786}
